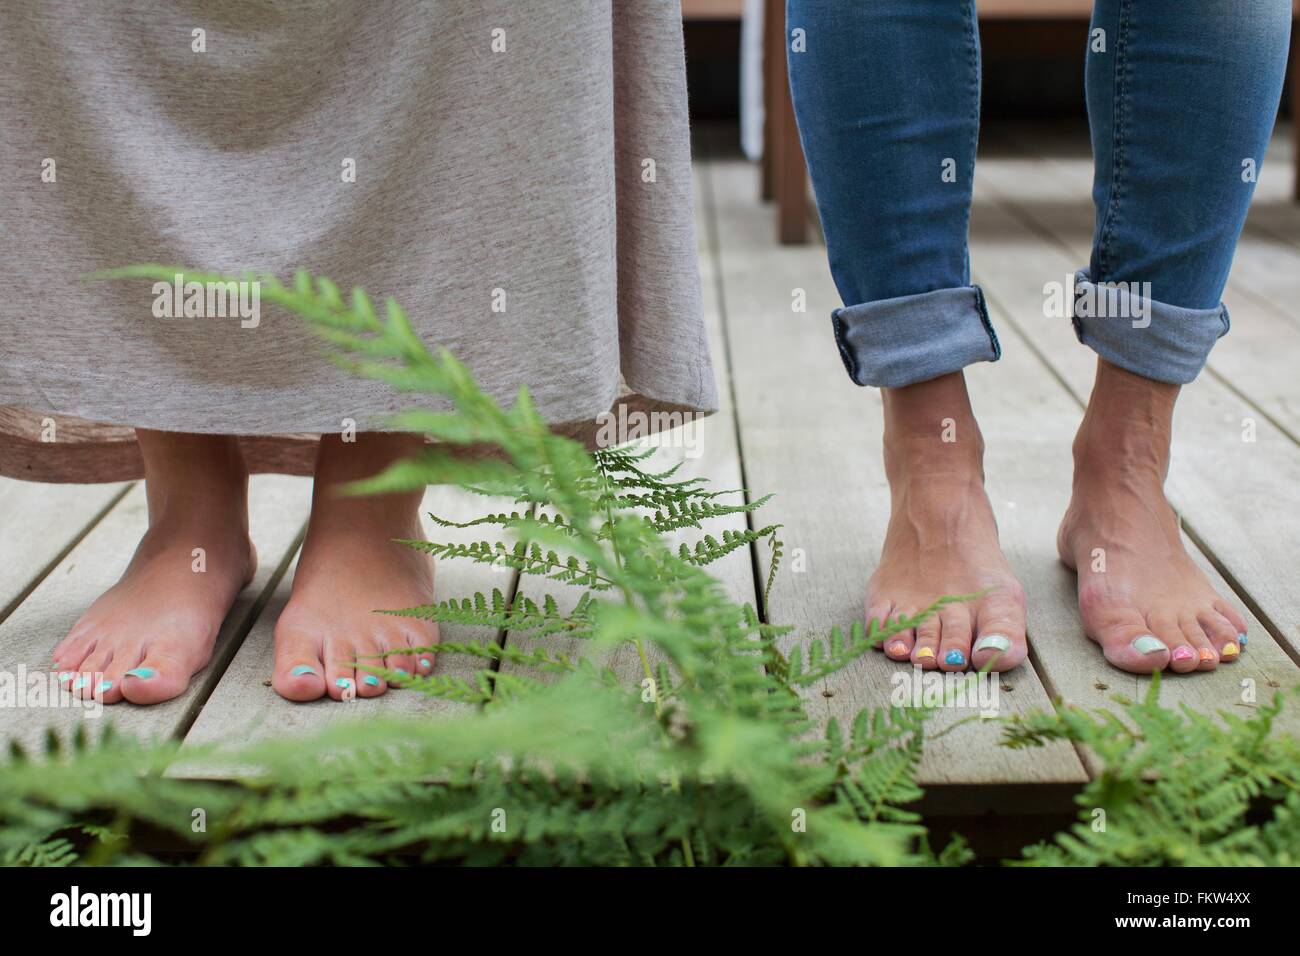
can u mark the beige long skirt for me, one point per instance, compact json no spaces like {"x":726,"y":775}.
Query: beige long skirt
{"x":516,"y":173}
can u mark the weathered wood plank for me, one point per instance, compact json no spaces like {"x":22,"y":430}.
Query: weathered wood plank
{"x":244,"y":708}
{"x":39,"y":524}
{"x":278,"y":507}
{"x":813,"y":438}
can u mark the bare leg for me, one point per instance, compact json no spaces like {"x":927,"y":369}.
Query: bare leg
{"x":1141,"y":596}
{"x":147,"y":635}
{"x":942,"y":536}
{"x":350,"y":567}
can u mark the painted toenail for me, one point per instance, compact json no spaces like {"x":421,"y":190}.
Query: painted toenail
{"x":898,"y":647}
{"x":424,"y":662}
{"x":372,"y":680}
{"x":400,"y":672}
{"x":103,"y":686}
{"x":302,"y":669}
{"x":955,"y":658}
{"x":1183,"y":653}
{"x":1207,"y":654}
{"x":1241,"y":639}
{"x":65,"y":677}
{"x":80,"y":683}
{"x":925,"y":652}
{"x":144,"y":673}
{"x":1228,"y":650}
{"x":995,"y":641}
{"x":343,"y":682}
{"x":1146,"y":644}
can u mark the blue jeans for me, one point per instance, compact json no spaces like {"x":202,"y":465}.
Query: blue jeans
{"x":1182,"y":96}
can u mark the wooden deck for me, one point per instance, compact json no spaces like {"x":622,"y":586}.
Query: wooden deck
{"x":793,"y":424}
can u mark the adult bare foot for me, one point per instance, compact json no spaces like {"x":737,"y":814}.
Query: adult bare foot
{"x":148,"y":634}
{"x":350,"y":567}
{"x":1141,"y":596}
{"x":942,"y":536}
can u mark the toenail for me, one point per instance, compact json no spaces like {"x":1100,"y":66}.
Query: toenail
{"x":144,"y":673}
{"x":925,"y":652}
{"x":1207,"y":654}
{"x":1183,"y":653}
{"x":400,"y":672}
{"x":1241,"y":639}
{"x":371,"y":679}
{"x":955,"y":658}
{"x":1228,"y":650}
{"x":302,"y":669}
{"x":80,"y":683}
{"x":344,"y":682}
{"x":898,"y":647}
{"x":65,"y":677}
{"x":995,"y":641}
{"x":1146,"y":644}
{"x":424,"y":662}
{"x":103,"y":686}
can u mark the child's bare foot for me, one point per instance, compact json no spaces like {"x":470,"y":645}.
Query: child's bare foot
{"x":942,"y":537}
{"x":148,"y":634}
{"x":1141,"y":597}
{"x":350,"y":568}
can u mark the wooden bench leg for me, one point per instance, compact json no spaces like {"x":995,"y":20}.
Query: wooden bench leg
{"x":789,"y":173}
{"x":771,"y":83}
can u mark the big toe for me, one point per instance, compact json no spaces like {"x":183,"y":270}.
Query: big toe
{"x":299,"y":671}
{"x":1000,"y":641}
{"x":1134,"y":648}
{"x":158,"y":677}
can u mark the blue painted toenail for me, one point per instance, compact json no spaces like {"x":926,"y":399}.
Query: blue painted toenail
{"x":955,"y":658}
{"x":65,"y":677}
{"x":144,"y":673}
{"x":1241,"y":639}
{"x":400,"y":672}
{"x":80,"y":682}
{"x":103,"y":686}
{"x":343,"y":682}
{"x":372,"y":680}
{"x":424,"y":662}
{"x":302,"y":669}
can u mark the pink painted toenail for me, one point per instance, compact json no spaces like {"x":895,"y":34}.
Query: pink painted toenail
{"x":1183,"y":653}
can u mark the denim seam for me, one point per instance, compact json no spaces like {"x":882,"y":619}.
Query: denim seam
{"x":846,"y":354}
{"x":982,"y":305}
{"x":1119,"y":119}
{"x":973,"y":50}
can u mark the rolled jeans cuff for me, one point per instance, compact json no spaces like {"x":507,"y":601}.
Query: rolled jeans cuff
{"x":914,"y":338}
{"x":1126,"y":327}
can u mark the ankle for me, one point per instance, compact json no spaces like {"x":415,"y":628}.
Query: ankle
{"x":1126,"y":429}
{"x":930,"y":432}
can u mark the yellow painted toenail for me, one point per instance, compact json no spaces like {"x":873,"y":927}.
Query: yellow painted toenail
{"x":1207,"y":654}
{"x":1228,"y":650}
{"x":925,"y":652}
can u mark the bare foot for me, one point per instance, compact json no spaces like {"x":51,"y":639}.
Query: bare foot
{"x":942,"y":537}
{"x":148,"y":634}
{"x":350,"y":568}
{"x":1141,"y":596}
